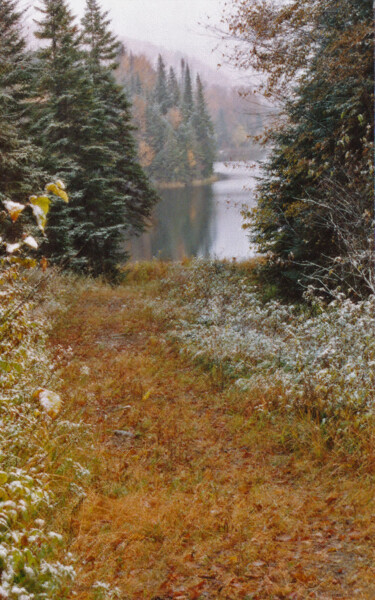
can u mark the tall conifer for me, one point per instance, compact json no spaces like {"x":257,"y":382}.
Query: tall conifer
{"x":187,"y":98}
{"x":204,"y":132}
{"x":20,"y":174}
{"x":116,"y":182}
{"x":63,"y":102}
{"x":161,"y":89}
{"x":173,"y":88}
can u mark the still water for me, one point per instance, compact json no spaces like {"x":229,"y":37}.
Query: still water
{"x":202,"y":221}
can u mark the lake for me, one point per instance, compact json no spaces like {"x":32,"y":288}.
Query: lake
{"x":203,"y":221}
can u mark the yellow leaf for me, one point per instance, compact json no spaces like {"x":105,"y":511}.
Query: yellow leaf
{"x":40,"y":206}
{"x":3,"y":495}
{"x":14,"y":209}
{"x":42,"y":201}
{"x":40,"y":216}
{"x":57,"y":189}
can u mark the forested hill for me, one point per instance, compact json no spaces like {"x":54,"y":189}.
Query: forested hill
{"x":174,"y":128}
{"x":183,"y":124}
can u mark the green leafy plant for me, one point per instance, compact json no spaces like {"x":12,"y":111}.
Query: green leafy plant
{"x":29,"y":565}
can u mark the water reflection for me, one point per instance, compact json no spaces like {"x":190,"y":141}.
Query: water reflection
{"x":201,"y":221}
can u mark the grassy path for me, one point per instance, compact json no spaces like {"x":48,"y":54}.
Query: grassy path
{"x":193,"y":495}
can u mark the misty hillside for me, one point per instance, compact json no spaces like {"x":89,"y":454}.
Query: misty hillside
{"x":236,"y":115}
{"x":174,"y":57}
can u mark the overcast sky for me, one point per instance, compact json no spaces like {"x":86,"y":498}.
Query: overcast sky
{"x":174,"y":24}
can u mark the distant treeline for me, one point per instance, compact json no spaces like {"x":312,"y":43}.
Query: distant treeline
{"x":175,"y":132}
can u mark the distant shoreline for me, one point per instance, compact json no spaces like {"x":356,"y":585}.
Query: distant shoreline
{"x":176,"y":185}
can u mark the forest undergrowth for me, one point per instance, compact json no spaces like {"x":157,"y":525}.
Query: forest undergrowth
{"x":211,"y":443}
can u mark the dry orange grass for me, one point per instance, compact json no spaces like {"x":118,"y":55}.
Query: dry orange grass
{"x":200,"y":496}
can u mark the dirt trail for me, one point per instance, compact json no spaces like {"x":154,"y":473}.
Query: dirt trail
{"x":191,"y":496}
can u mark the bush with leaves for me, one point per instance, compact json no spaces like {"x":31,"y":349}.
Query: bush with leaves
{"x":29,"y":566}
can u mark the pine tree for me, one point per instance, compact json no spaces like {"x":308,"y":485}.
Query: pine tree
{"x":116,"y":183}
{"x":20,"y":173}
{"x":161,"y":89}
{"x":187,"y":97}
{"x":62,"y":105}
{"x":173,"y":88}
{"x":204,"y":132}
{"x":102,"y":46}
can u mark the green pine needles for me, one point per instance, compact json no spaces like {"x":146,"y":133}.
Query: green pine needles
{"x":63,"y":114}
{"x":20,"y":173}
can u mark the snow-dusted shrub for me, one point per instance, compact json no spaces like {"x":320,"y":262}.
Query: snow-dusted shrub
{"x":29,"y":568}
{"x":313,"y":354}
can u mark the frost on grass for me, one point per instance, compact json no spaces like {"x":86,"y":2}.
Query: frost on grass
{"x":29,"y":568}
{"x":317,"y":354}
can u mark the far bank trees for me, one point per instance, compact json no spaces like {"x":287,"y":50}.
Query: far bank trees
{"x":175,"y":130}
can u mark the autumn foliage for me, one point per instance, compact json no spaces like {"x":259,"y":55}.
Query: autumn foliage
{"x":316,"y":61}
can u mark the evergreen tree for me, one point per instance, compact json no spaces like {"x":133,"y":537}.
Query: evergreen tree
{"x":186,"y":146}
{"x":173,"y":88}
{"x":155,"y":136}
{"x":175,"y":144}
{"x":161,"y":89}
{"x":187,"y":97}
{"x":102,"y":47}
{"x":169,"y":159}
{"x":137,"y":85}
{"x":84,"y":126}
{"x":204,"y":132}
{"x":182,"y":65}
{"x":122,"y":194}
{"x":20,"y":174}
{"x":61,"y":125}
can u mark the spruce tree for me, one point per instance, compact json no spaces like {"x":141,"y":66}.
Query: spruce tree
{"x":204,"y":132}
{"x":178,"y":144}
{"x":101,"y":45}
{"x":117,"y":186}
{"x":156,"y":137}
{"x":62,"y":105}
{"x":173,"y":88}
{"x":161,"y":89}
{"x":187,"y":97}
{"x":20,"y":173}
{"x":83,"y":124}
